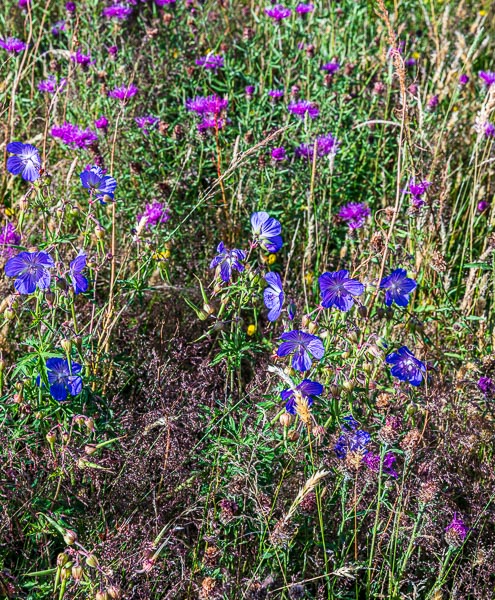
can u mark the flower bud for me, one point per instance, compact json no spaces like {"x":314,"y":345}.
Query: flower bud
{"x":51,"y":436}
{"x":77,"y":572}
{"x":285,"y":419}
{"x":99,"y":233}
{"x":293,"y":435}
{"x":64,"y":574}
{"x":90,"y":449}
{"x":352,"y":336}
{"x":363,"y":311}
{"x":9,"y":314}
{"x":368,"y":367}
{"x":114,"y":592}
{"x":102,"y":596}
{"x":92,"y":561}
{"x":90,"y":424}
{"x":346,"y":354}
{"x":209,"y":310}
{"x":65,"y":437}
{"x":202,"y":315}
{"x":335,"y":390}
{"x":66,"y":345}
{"x":62,"y":559}
{"x":78,"y":343}
{"x":312,"y":327}
{"x":305,"y":321}
{"x":348,"y":385}
{"x":70,"y":537}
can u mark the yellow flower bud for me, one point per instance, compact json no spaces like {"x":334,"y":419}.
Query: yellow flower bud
{"x":251,"y":330}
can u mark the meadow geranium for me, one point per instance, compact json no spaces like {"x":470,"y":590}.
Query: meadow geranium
{"x":117,"y":11}
{"x":63,"y":378}
{"x":73,"y":136}
{"x":338,"y":290}
{"x":326,"y":145}
{"x":266,"y":231}
{"x":273,"y":295}
{"x":9,"y":237}
{"x":405,"y":366}
{"x":26,"y":161}
{"x":100,"y":186}
{"x":307,"y":389}
{"x":228,"y":260}
{"x":303,"y":107}
{"x":398,"y":286}
{"x":146,"y":123}
{"x":488,"y":77}
{"x":76,"y":266}
{"x":278,"y":12}
{"x":31,"y":270}
{"x":155,"y":213}
{"x":123,"y":92}
{"x":355,"y":214}
{"x":12,"y":45}
{"x":303,"y":346}
{"x":352,"y":438}
{"x":211,"y":61}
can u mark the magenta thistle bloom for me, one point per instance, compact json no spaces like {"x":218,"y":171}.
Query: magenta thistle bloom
{"x":82,"y":59}
{"x":489,"y":130}
{"x":79,"y":282}
{"x":372,"y":461}
{"x":325,"y":145}
{"x":112,"y":50}
{"x":331,"y":67}
{"x":13,"y":45}
{"x":50,"y":85}
{"x":70,"y":7}
{"x":278,"y":12}
{"x":26,"y":161}
{"x":463,"y":79}
{"x":338,"y":290}
{"x":228,"y":260}
{"x":73,"y":136}
{"x":123,"y":92}
{"x":58,"y":27}
{"x":303,"y":346}
{"x":155,"y":213}
{"x":273,"y":295}
{"x":211,"y":61}
{"x":116,"y":11}
{"x":23,"y":3}
{"x":276,"y":94}
{"x":355,"y":214}
{"x":482,"y":206}
{"x":303,"y":107}
{"x":433,"y":102}
{"x":486,"y":385}
{"x":211,"y":123}
{"x":249,"y":90}
{"x":101,"y":123}
{"x":146,"y":123}
{"x":207,"y":106}
{"x":456,"y":531}
{"x":307,"y":389}
{"x":279,"y":153}
{"x":304,"y":9}
{"x":405,"y":366}
{"x":31,"y":269}
{"x":417,"y":190}
{"x":164,"y":2}
{"x":8,"y":238}
{"x":488,"y":77}
{"x":398,"y":286}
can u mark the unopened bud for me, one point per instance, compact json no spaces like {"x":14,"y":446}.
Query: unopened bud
{"x":102,"y":596}
{"x":92,"y":561}
{"x":305,"y":321}
{"x":335,"y":390}
{"x":90,"y":449}
{"x":90,"y":424}
{"x":51,"y":436}
{"x":202,"y":315}
{"x":293,"y":435}
{"x":99,"y":233}
{"x":352,"y":336}
{"x":77,"y":572}
{"x":78,"y":343}
{"x":209,"y":310}
{"x":285,"y":419}
{"x":70,"y":537}
{"x":9,"y":314}
{"x":363,"y":311}
{"x":64,"y":574}
{"x":66,"y":345}
{"x":62,"y":559}
{"x":368,"y":367}
{"x":348,"y":385}
{"x":346,"y":354}
{"x":114,"y":592}
{"x":312,"y":327}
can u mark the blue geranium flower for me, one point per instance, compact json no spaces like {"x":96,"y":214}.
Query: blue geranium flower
{"x":405,"y":366}
{"x":266,"y":231}
{"x":228,"y":260}
{"x":79,"y":282}
{"x":338,"y":289}
{"x":99,"y":184}
{"x":352,"y":438}
{"x":306,"y":388}
{"x":26,"y":161}
{"x":63,"y":378}
{"x":398,"y":286}
{"x":273,"y":295}
{"x":31,"y":270}
{"x":303,"y":345}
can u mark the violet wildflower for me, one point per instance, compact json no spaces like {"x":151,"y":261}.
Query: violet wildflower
{"x":273,"y":295}
{"x":116,"y":11}
{"x":155,"y":213}
{"x":486,"y":385}
{"x":58,"y":27}
{"x":338,"y":289}
{"x":101,"y":186}
{"x":207,"y":105}
{"x":291,"y":311}
{"x":307,"y":389}
{"x":31,"y":270}
{"x":73,"y":136}
{"x":331,"y":67}
{"x":211,"y":123}
{"x":279,"y":154}
{"x":398,"y":286}
{"x":112,"y":50}
{"x":278,"y":12}
{"x":355,"y":214}
{"x":266,"y":231}
{"x":82,"y":59}
{"x":489,"y":130}
{"x":8,"y":238}
{"x":405,"y":366}
{"x":304,"y":9}
{"x":352,"y":439}
{"x":463,"y":79}
{"x":410,"y":62}
{"x":50,"y":85}
{"x":123,"y":92}
{"x":303,"y":346}
{"x":13,"y":45}
{"x":417,"y":190}
{"x":372,"y":461}
{"x":70,"y":7}
{"x":433,"y":102}
{"x":79,"y":282}
{"x":488,"y":77}
{"x":276,"y":94}
{"x":228,"y":260}
{"x":63,"y":378}
{"x":303,"y":107}
{"x":456,"y":531}
{"x":164,"y":2}
{"x":211,"y":61}
{"x":23,"y":3}
{"x":482,"y":206}
{"x":146,"y":123}
{"x":26,"y":161}
{"x":101,"y":123}
{"x":249,"y":91}
{"x":326,"y":145}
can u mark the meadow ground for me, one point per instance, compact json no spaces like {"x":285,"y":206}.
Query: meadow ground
{"x":247,"y":259}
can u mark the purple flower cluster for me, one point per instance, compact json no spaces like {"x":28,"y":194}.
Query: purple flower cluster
{"x":326,"y":145}
{"x":210,"y":108}
{"x":211,"y":61}
{"x":146,"y":123}
{"x":488,"y":77}
{"x":82,"y":59}
{"x":417,"y":191}
{"x":155,"y":213}
{"x":355,"y":214}
{"x":8,"y":238}
{"x":123,"y":92}
{"x":331,"y":67}
{"x":352,"y":439}
{"x":13,"y":45}
{"x":117,"y":11}
{"x":303,"y":107}
{"x":50,"y":85}
{"x":73,"y":136}
{"x":278,"y":12}
{"x":304,"y":9}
